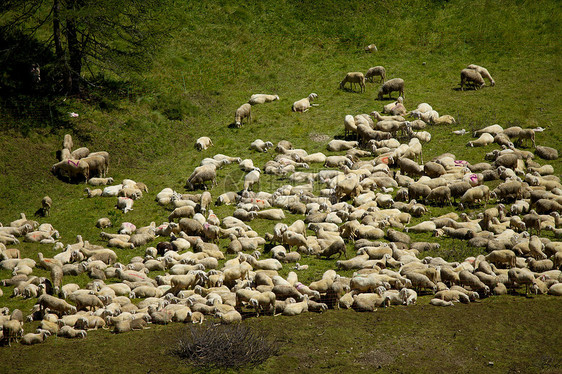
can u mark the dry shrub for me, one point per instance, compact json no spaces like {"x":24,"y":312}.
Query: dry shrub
{"x":224,"y":346}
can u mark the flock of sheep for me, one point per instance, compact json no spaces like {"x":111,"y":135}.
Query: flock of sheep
{"x":364,"y":192}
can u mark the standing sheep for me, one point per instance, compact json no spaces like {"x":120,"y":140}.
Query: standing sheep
{"x":354,"y":78}
{"x":244,"y":111}
{"x":374,"y":72}
{"x":200,"y":175}
{"x":483,"y":72}
{"x":46,"y":204}
{"x":396,"y":84}
{"x":471,"y":76}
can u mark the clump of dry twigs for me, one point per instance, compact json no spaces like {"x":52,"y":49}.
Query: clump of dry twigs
{"x":224,"y":346}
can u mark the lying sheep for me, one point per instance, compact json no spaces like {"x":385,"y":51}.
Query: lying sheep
{"x":337,"y":145}
{"x":125,"y":204}
{"x":203,"y":143}
{"x":395,"y":84}
{"x":354,"y":78}
{"x":483,"y":140}
{"x":303,"y":105}
{"x":260,"y":146}
{"x":262,"y":98}
{"x":71,"y":333}
{"x":546,"y":153}
{"x":100,"y":181}
{"x":35,"y":338}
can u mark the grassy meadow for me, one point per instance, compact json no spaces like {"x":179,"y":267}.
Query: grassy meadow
{"x":219,"y":54}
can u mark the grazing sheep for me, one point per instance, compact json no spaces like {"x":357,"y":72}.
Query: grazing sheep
{"x":79,"y":153}
{"x":371,"y":48}
{"x":395,"y":84}
{"x":73,"y":170}
{"x":420,"y":281}
{"x":483,"y":72}
{"x":243,"y":112}
{"x":303,"y":105}
{"x":203,"y":142}
{"x":473,"y":77}
{"x":468,"y":279}
{"x":354,"y":78}
{"x":46,"y":204}
{"x":55,"y":304}
{"x":375,"y":71}
{"x":200,"y":175}
{"x":526,"y":134}
{"x":440,"y":195}
{"x":97,"y":165}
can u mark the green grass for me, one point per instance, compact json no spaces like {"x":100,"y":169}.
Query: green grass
{"x":497,"y":335}
{"x":224,"y":52}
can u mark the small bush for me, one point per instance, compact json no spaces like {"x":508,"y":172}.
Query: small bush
{"x":224,"y":346}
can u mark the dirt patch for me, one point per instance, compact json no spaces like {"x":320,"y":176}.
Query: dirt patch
{"x":376,"y":359}
{"x":319,"y":137}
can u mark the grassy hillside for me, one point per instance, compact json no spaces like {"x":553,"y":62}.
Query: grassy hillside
{"x":223,"y":52}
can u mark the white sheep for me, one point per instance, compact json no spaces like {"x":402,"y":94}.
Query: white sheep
{"x":203,"y":143}
{"x":304,"y":105}
{"x":112,"y":190}
{"x":71,"y":333}
{"x":352,"y":78}
{"x":253,"y":177}
{"x":473,"y":77}
{"x":395,"y":84}
{"x":262,"y":98}
{"x":375,"y":71}
{"x":35,"y":338}
{"x":483,"y":72}
{"x":483,"y":140}
{"x":125,"y":204}
{"x":261,"y":146}
{"x":243,"y":112}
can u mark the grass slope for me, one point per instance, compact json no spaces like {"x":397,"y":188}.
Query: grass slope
{"x":225,"y":51}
